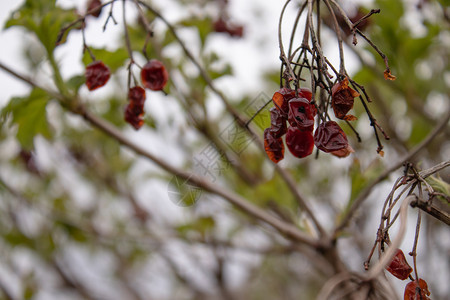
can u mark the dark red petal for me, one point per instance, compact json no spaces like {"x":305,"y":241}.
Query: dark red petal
{"x":414,"y":292}
{"x":278,"y":123}
{"x":231,"y":29}
{"x":95,"y":4}
{"x":342,"y":98}
{"x":273,"y":146}
{"x":300,"y":143}
{"x":329,"y":137}
{"x":97,"y":75}
{"x":137,"y":95}
{"x":305,"y":93}
{"x":280,"y":100}
{"x":154,"y":75}
{"x":301,"y":114}
{"x":134,"y":111}
{"x":344,"y":152}
{"x":399,"y":267}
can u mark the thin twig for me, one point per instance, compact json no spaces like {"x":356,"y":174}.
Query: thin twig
{"x":283,"y":227}
{"x":127,"y":35}
{"x":283,"y":56}
{"x":363,"y":195}
{"x":110,"y":17}
{"x":232,"y":110}
{"x":337,"y":30}
{"x":80,"y":19}
{"x":390,"y":252}
{"x":433,"y":210}
{"x":286,"y":229}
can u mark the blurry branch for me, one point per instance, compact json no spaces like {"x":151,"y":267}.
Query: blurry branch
{"x":70,"y":280}
{"x":362,"y":279}
{"x":204,"y":127}
{"x":434,"y":210}
{"x":390,"y":252}
{"x":181,"y":276}
{"x":5,"y":292}
{"x":284,"y":228}
{"x":413,"y":100}
{"x":241,"y":121}
{"x":82,"y":18}
{"x":123,"y":270}
{"x":441,"y":126}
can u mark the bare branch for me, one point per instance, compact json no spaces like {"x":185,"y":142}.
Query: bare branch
{"x":363,"y":195}
{"x":433,"y":209}
{"x":285,"y":228}
{"x":390,"y":252}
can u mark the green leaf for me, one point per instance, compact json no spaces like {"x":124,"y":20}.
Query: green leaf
{"x":202,"y":225}
{"x":29,"y":114}
{"x":44,"y":19}
{"x":227,"y":70}
{"x":360,"y":178}
{"x":204,"y":27}
{"x":439,"y":186}
{"x":113,"y":59}
{"x":76,"y":82}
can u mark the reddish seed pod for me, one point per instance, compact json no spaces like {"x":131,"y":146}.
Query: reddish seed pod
{"x":329,"y":137}
{"x":399,"y":266}
{"x":280,"y":100}
{"x":414,"y":292}
{"x":137,"y":95}
{"x":154,"y":75}
{"x":278,"y":123}
{"x":273,"y":146}
{"x":92,"y":4}
{"x":301,"y":114}
{"x":342,"y":99}
{"x":282,"y":97}
{"x":134,"y":111}
{"x":304,"y":93}
{"x":344,"y":152}
{"x":231,"y":29}
{"x":97,"y":75}
{"x":300,"y":143}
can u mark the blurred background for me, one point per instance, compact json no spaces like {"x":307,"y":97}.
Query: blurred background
{"x":82,"y":217}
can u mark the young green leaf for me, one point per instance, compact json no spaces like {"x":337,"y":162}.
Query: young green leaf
{"x":29,"y":114}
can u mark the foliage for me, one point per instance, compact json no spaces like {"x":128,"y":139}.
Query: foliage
{"x":85,"y":194}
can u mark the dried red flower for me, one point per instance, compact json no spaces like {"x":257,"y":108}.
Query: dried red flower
{"x":342,"y":98}
{"x":134,"y":111}
{"x":388,"y":75}
{"x":344,"y":152}
{"x":97,"y":75}
{"x":399,"y":267}
{"x":329,"y":137}
{"x":278,"y":123}
{"x":137,"y":95}
{"x":282,"y":97}
{"x":92,"y":4}
{"x":154,"y":75}
{"x":301,"y":114}
{"x":233,"y":30}
{"x":273,"y":146}
{"x":300,"y":143}
{"x":414,"y":292}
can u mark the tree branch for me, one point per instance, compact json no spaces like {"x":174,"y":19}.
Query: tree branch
{"x":363,"y":195}
{"x":240,"y":119}
{"x":284,"y":228}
